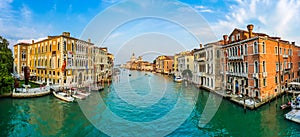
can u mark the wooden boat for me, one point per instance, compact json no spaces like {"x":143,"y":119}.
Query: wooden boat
{"x":63,"y":96}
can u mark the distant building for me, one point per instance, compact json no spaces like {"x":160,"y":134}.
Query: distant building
{"x":164,"y":64}
{"x":185,"y":65}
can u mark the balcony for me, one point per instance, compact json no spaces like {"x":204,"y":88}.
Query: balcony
{"x":201,"y":59}
{"x":255,"y":75}
{"x":285,"y":56}
{"x":241,"y":57}
{"x":41,"y":67}
{"x":237,"y":74}
{"x":265,"y":74}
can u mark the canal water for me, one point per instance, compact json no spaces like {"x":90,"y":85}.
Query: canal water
{"x":142,"y":105}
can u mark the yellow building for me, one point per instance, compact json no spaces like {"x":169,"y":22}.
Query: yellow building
{"x":61,"y":60}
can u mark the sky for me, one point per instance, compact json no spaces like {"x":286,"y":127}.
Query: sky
{"x":146,"y":26}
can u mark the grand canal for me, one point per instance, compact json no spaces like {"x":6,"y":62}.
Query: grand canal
{"x":48,"y":116}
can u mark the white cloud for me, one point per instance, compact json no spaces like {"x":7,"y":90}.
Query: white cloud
{"x":279,"y":18}
{"x":202,"y":9}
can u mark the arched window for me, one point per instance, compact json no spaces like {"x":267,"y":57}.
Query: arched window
{"x":264,"y":47}
{"x":246,"y":49}
{"x":256,"y":67}
{"x":255,"y":50}
{"x":65,"y":45}
{"x":50,"y":47}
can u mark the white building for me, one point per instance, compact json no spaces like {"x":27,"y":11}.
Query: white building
{"x":207,"y":66}
{"x":185,"y":65}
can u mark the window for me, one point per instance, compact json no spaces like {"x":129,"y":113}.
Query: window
{"x":255,"y":51}
{"x":264,"y":66}
{"x":280,"y":51}
{"x":264,"y":47}
{"x":265,"y":82}
{"x":246,"y":69}
{"x":72,"y":46}
{"x":256,"y":67}
{"x":187,"y":60}
{"x":218,"y":53}
{"x":284,"y":51}
{"x":290,"y":52}
{"x":277,"y":66}
{"x":276,"y":50}
{"x":246,"y":49}
{"x":281,"y":78}
{"x":58,"y":44}
{"x":232,"y":38}
{"x":255,"y":82}
{"x":242,"y":52}
{"x":65,"y":45}
{"x":58,"y":62}
{"x":212,"y":83}
{"x":50,"y":47}
{"x":276,"y":79}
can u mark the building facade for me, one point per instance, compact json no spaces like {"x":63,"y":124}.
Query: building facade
{"x":258,"y":65}
{"x":207,"y":68}
{"x":61,"y":60}
{"x":164,"y":64}
{"x":185,"y":65}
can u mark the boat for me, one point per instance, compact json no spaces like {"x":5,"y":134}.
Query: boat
{"x":178,"y":79}
{"x":296,"y":102}
{"x":97,"y":88}
{"x":63,"y":96}
{"x":284,"y":106}
{"x":82,"y":92}
{"x":293,"y":115}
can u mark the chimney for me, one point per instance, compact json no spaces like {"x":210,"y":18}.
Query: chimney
{"x":225,"y":38}
{"x":293,"y":43}
{"x":250,"y":29}
{"x":67,"y":34}
{"x":32,"y":41}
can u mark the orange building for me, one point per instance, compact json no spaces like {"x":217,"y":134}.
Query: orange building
{"x":258,"y":65}
{"x":164,"y":64}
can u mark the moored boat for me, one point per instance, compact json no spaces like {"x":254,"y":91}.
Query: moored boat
{"x":178,"y":79}
{"x":63,"y":96}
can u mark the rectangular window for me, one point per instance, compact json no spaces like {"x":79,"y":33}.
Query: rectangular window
{"x":276,"y":79}
{"x":265,"y":82}
{"x":276,"y":51}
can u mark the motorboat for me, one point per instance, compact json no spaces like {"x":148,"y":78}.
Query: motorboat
{"x":178,"y":79}
{"x":63,"y":96}
{"x":82,"y":92}
{"x":296,"y":102}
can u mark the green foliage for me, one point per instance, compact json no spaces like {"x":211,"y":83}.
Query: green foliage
{"x":6,"y":67}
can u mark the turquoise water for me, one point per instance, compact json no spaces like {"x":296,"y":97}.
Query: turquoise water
{"x":139,"y":100}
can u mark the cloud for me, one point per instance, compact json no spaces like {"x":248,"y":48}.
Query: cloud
{"x":280,"y":18}
{"x":203,"y":9}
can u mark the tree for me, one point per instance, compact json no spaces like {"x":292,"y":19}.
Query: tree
{"x":6,"y":67}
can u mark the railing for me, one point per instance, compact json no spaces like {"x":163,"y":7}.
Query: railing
{"x":285,"y":56}
{"x":237,"y":74}
{"x":41,"y":67}
{"x":241,"y":57}
{"x":265,"y":74}
{"x":255,"y":75}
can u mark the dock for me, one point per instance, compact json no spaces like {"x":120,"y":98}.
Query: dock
{"x":293,"y":115}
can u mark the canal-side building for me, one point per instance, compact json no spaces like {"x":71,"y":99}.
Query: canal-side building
{"x":207,"y":64}
{"x":258,"y":65}
{"x":185,"y":65}
{"x":61,"y":60}
{"x":164,"y":64}
{"x":20,"y":58}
